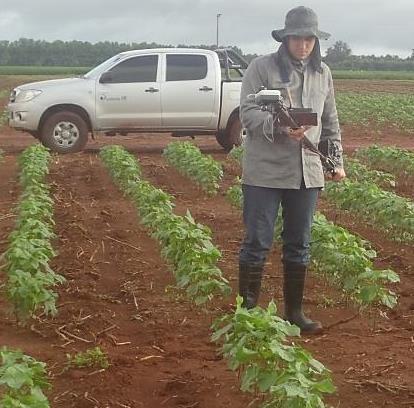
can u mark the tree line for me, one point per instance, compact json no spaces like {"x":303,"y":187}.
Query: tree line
{"x":26,"y":51}
{"x":340,"y":56}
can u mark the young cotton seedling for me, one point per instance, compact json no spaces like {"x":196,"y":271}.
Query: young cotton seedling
{"x":90,"y":358}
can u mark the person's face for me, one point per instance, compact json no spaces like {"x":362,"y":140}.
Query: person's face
{"x":300,"y":48}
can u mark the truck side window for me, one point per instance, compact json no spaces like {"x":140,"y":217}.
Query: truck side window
{"x":137,"y":69}
{"x":186,"y":67}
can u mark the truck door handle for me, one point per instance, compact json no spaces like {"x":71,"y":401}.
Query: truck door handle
{"x":152,"y":90}
{"x":205,"y":88}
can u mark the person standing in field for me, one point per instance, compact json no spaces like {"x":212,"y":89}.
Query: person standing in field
{"x":279,"y":171}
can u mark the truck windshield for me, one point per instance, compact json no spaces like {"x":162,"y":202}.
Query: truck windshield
{"x":102,"y":67}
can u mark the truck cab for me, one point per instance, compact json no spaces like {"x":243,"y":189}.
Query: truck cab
{"x":183,"y":91}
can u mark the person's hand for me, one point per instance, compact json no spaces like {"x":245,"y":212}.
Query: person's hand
{"x":298,"y":133}
{"x":338,"y":176}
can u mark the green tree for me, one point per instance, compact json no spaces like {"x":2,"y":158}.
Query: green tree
{"x":339,"y":52}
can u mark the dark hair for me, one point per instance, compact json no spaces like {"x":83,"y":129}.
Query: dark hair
{"x":315,"y":58}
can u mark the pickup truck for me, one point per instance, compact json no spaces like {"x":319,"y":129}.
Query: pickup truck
{"x":183,"y":91}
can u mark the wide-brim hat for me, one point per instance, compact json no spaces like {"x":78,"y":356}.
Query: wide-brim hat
{"x":301,"y":21}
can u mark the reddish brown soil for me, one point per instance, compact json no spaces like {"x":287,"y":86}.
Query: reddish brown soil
{"x":355,"y":137}
{"x":108,"y":259}
{"x":368,"y":85}
{"x":118,"y":294}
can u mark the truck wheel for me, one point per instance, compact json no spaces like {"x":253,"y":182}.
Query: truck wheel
{"x":232,"y":135}
{"x":64,"y":132}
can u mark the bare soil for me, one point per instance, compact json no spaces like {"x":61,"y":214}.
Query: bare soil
{"x":119,"y":293}
{"x":369,"y":85}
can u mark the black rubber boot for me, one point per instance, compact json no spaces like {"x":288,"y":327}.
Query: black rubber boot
{"x":293,"y":286}
{"x":250,"y":279}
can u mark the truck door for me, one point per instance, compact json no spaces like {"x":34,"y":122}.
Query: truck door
{"x":128,"y":95}
{"x":189,"y":92}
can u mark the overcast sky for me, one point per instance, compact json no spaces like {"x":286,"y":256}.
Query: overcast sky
{"x":368,"y":26}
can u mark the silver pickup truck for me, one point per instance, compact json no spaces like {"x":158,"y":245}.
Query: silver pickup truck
{"x":181,"y":91}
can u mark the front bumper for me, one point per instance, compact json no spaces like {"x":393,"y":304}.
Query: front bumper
{"x":23,"y":116}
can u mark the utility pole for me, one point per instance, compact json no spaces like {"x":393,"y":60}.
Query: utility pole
{"x":217,"y":27}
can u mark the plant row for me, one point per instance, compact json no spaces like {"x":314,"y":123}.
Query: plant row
{"x":358,"y":171}
{"x":354,"y":170}
{"x":186,"y":244}
{"x":343,"y":258}
{"x":236,"y":154}
{"x":381,"y":209}
{"x":376,"y":108}
{"x":284,"y":372}
{"x":189,"y":160}
{"x":348,"y":261}
{"x":30,"y":278}
{"x":391,"y":159}
{"x":22,"y":381}
{"x":3,"y":117}
{"x":3,"y":112}
{"x":255,"y":343}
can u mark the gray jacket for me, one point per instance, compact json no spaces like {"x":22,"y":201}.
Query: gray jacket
{"x":283,"y":163}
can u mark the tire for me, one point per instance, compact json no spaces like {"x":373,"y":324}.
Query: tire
{"x":232,"y":136}
{"x":64,"y":132}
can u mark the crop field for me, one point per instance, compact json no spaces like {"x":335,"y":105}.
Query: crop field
{"x":119,"y":273}
{"x":337,"y":74}
{"x":373,"y":75}
{"x":41,"y":70}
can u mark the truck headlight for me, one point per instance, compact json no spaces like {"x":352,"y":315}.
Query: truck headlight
{"x":27,"y":95}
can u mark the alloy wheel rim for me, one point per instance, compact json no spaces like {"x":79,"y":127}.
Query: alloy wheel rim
{"x":66,"y":134}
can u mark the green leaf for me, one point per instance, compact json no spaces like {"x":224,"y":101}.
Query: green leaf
{"x":325,"y":386}
{"x":267,"y":380}
{"x":249,"y":378}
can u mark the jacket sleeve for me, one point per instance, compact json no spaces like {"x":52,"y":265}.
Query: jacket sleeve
{"x":329,"y":120}
{"x":251,"y":116}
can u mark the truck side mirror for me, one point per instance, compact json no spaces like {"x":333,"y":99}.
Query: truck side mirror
{"x":106,"y":77}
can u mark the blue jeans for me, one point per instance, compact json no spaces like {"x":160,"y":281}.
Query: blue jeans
{"x":260,"y":208}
